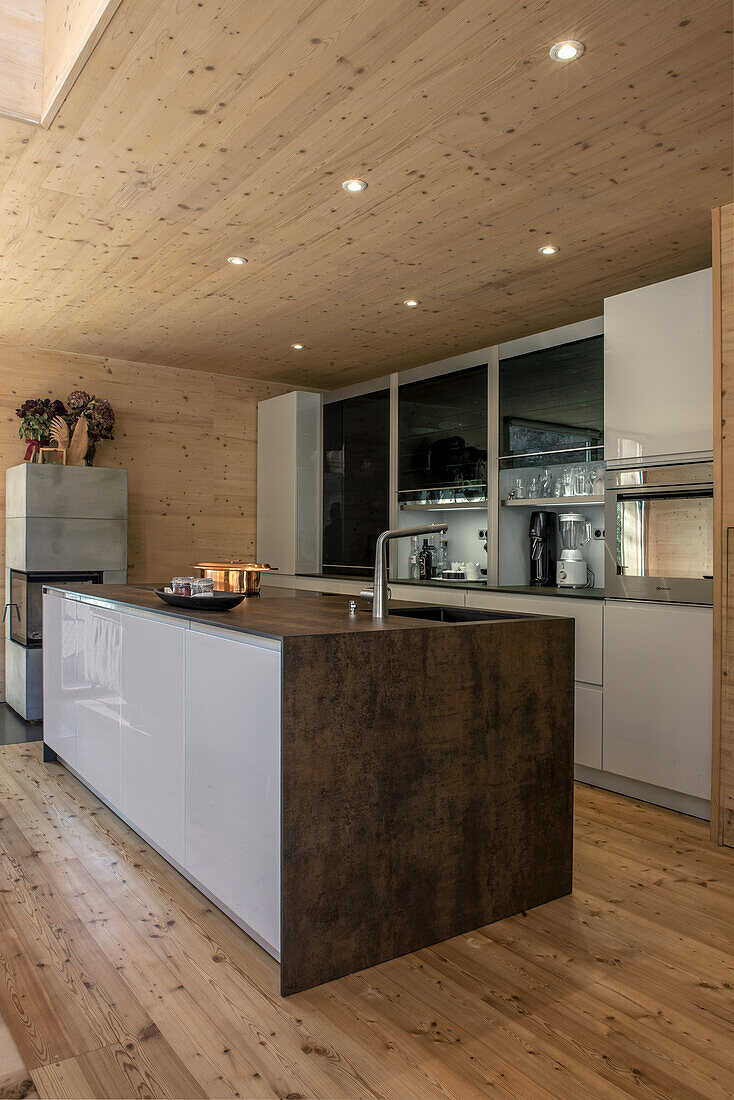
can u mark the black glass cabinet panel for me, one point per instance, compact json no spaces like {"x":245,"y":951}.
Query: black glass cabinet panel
{"x":356,"y":481}
{"x":442,"y":434}
{"x":551,"y":400}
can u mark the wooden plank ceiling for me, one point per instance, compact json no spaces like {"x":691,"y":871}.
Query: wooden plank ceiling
{"x":201,"y":130}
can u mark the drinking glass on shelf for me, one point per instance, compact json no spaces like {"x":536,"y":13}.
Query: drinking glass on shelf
{"x":567,"y":481}
{"x":546,"y":484}
{"x":519,"y":491}
{"x":533,"y":488}
{"x":597,"y":486}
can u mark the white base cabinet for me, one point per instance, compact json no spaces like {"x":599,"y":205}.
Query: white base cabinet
{"x":657,"y":695}
{"x":60,"y":677}
{"x":98,"y":699}
{"x":588,"y":726}
{"x":177,"y":727}
{"x":152,"y":730}
{"x":233,"y":790}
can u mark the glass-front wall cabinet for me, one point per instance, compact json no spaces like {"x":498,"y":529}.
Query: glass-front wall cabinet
{"x":442,"y":473}
{"x":551,"y":451}
{"x":546,"y":411}
{"x":442,"y":438}
{"x":356,"y":490}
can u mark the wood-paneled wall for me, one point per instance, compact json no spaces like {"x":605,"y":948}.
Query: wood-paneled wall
{"x":722,"y":794}
{"x":188,"y":440}
{"x":72,"y":28}
{"x":21,"y":59}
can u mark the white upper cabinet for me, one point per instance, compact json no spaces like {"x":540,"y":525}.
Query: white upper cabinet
{"x":658,"y":376}
{"x":289,"y":482}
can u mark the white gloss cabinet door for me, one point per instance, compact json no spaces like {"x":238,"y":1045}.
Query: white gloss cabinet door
{"x":59,"y":676}
{"x":152,"y":730}
{"x":657,"y":694}
{"x":588,"y":726}
{"x":98,"y":699}
{"x":233,"y":775}
{"x":658,"y":382}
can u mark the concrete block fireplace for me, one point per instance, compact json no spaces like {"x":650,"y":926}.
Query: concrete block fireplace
{"x":64,"y":524}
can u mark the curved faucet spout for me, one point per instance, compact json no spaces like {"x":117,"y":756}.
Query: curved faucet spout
{"x":380,"y":593}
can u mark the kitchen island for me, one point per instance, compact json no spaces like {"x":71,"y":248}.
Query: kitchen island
{"x":346,"y":789}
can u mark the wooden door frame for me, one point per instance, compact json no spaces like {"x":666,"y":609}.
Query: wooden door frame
{"x":720,"y":585}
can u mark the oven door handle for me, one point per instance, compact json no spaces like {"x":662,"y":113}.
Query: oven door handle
{"x":17,"y":610}
{"x":634,"y":492}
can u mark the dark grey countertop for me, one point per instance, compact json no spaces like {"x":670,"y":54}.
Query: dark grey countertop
{"x":290,"y":615}
{"x":476,"y":586}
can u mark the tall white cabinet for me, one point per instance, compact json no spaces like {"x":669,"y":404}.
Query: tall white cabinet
{"x":658,"y":380}
{"x":289,"y":482}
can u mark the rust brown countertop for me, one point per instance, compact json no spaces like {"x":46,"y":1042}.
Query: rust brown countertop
{"x":268,"y":616}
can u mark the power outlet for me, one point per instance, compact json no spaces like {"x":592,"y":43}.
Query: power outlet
{"x":481,"y":534}
{"x":599,"y":534}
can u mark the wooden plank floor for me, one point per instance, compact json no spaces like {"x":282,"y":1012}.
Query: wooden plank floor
{"x":15,"y":1080}
{"x":118,"y":979}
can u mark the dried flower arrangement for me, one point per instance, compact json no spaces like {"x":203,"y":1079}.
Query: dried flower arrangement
{"x":77,"y":427}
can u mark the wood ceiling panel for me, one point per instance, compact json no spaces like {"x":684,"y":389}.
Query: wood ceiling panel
{"x":195,"y":132}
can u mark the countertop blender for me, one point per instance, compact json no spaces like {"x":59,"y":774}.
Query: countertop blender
{"x":574,"y":531}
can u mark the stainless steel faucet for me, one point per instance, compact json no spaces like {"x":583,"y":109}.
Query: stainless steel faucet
{"x":380,"y":593}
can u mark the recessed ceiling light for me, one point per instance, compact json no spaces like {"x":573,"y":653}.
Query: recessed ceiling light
{"x":354,"y":185}
{"x":567,"y":50}
{"x":297,"y":347}
{"x":236,"y":260}
{"x":548,"y":249}
{"x":412,"y":302}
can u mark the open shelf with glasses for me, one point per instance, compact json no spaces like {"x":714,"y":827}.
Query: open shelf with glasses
{"x":552,"y":502}
{"x":445,"y":506}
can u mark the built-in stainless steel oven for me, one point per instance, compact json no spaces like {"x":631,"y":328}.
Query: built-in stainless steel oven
{"x":660,"y":533}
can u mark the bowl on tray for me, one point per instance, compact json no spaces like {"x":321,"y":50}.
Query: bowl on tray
{"x":216,"y":601}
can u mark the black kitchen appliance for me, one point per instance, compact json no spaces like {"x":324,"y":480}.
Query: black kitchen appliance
{"x":542,"y":548}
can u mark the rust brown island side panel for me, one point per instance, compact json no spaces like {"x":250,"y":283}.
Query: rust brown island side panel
{"x":427,"y":787}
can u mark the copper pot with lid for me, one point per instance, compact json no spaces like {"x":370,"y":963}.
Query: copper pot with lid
{"x":233,"y":576}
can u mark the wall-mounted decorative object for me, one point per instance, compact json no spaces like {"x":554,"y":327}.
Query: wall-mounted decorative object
{"x":52,"y":456}
{"x":77,"y":430}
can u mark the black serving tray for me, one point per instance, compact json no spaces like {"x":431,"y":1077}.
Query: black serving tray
{"x":219,"y":601}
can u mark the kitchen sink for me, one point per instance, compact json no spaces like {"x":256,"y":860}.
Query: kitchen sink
{"x":453,"y":614}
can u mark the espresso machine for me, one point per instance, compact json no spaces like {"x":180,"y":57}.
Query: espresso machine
{"x":574,"y":531}
{"x":542,"y":544}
